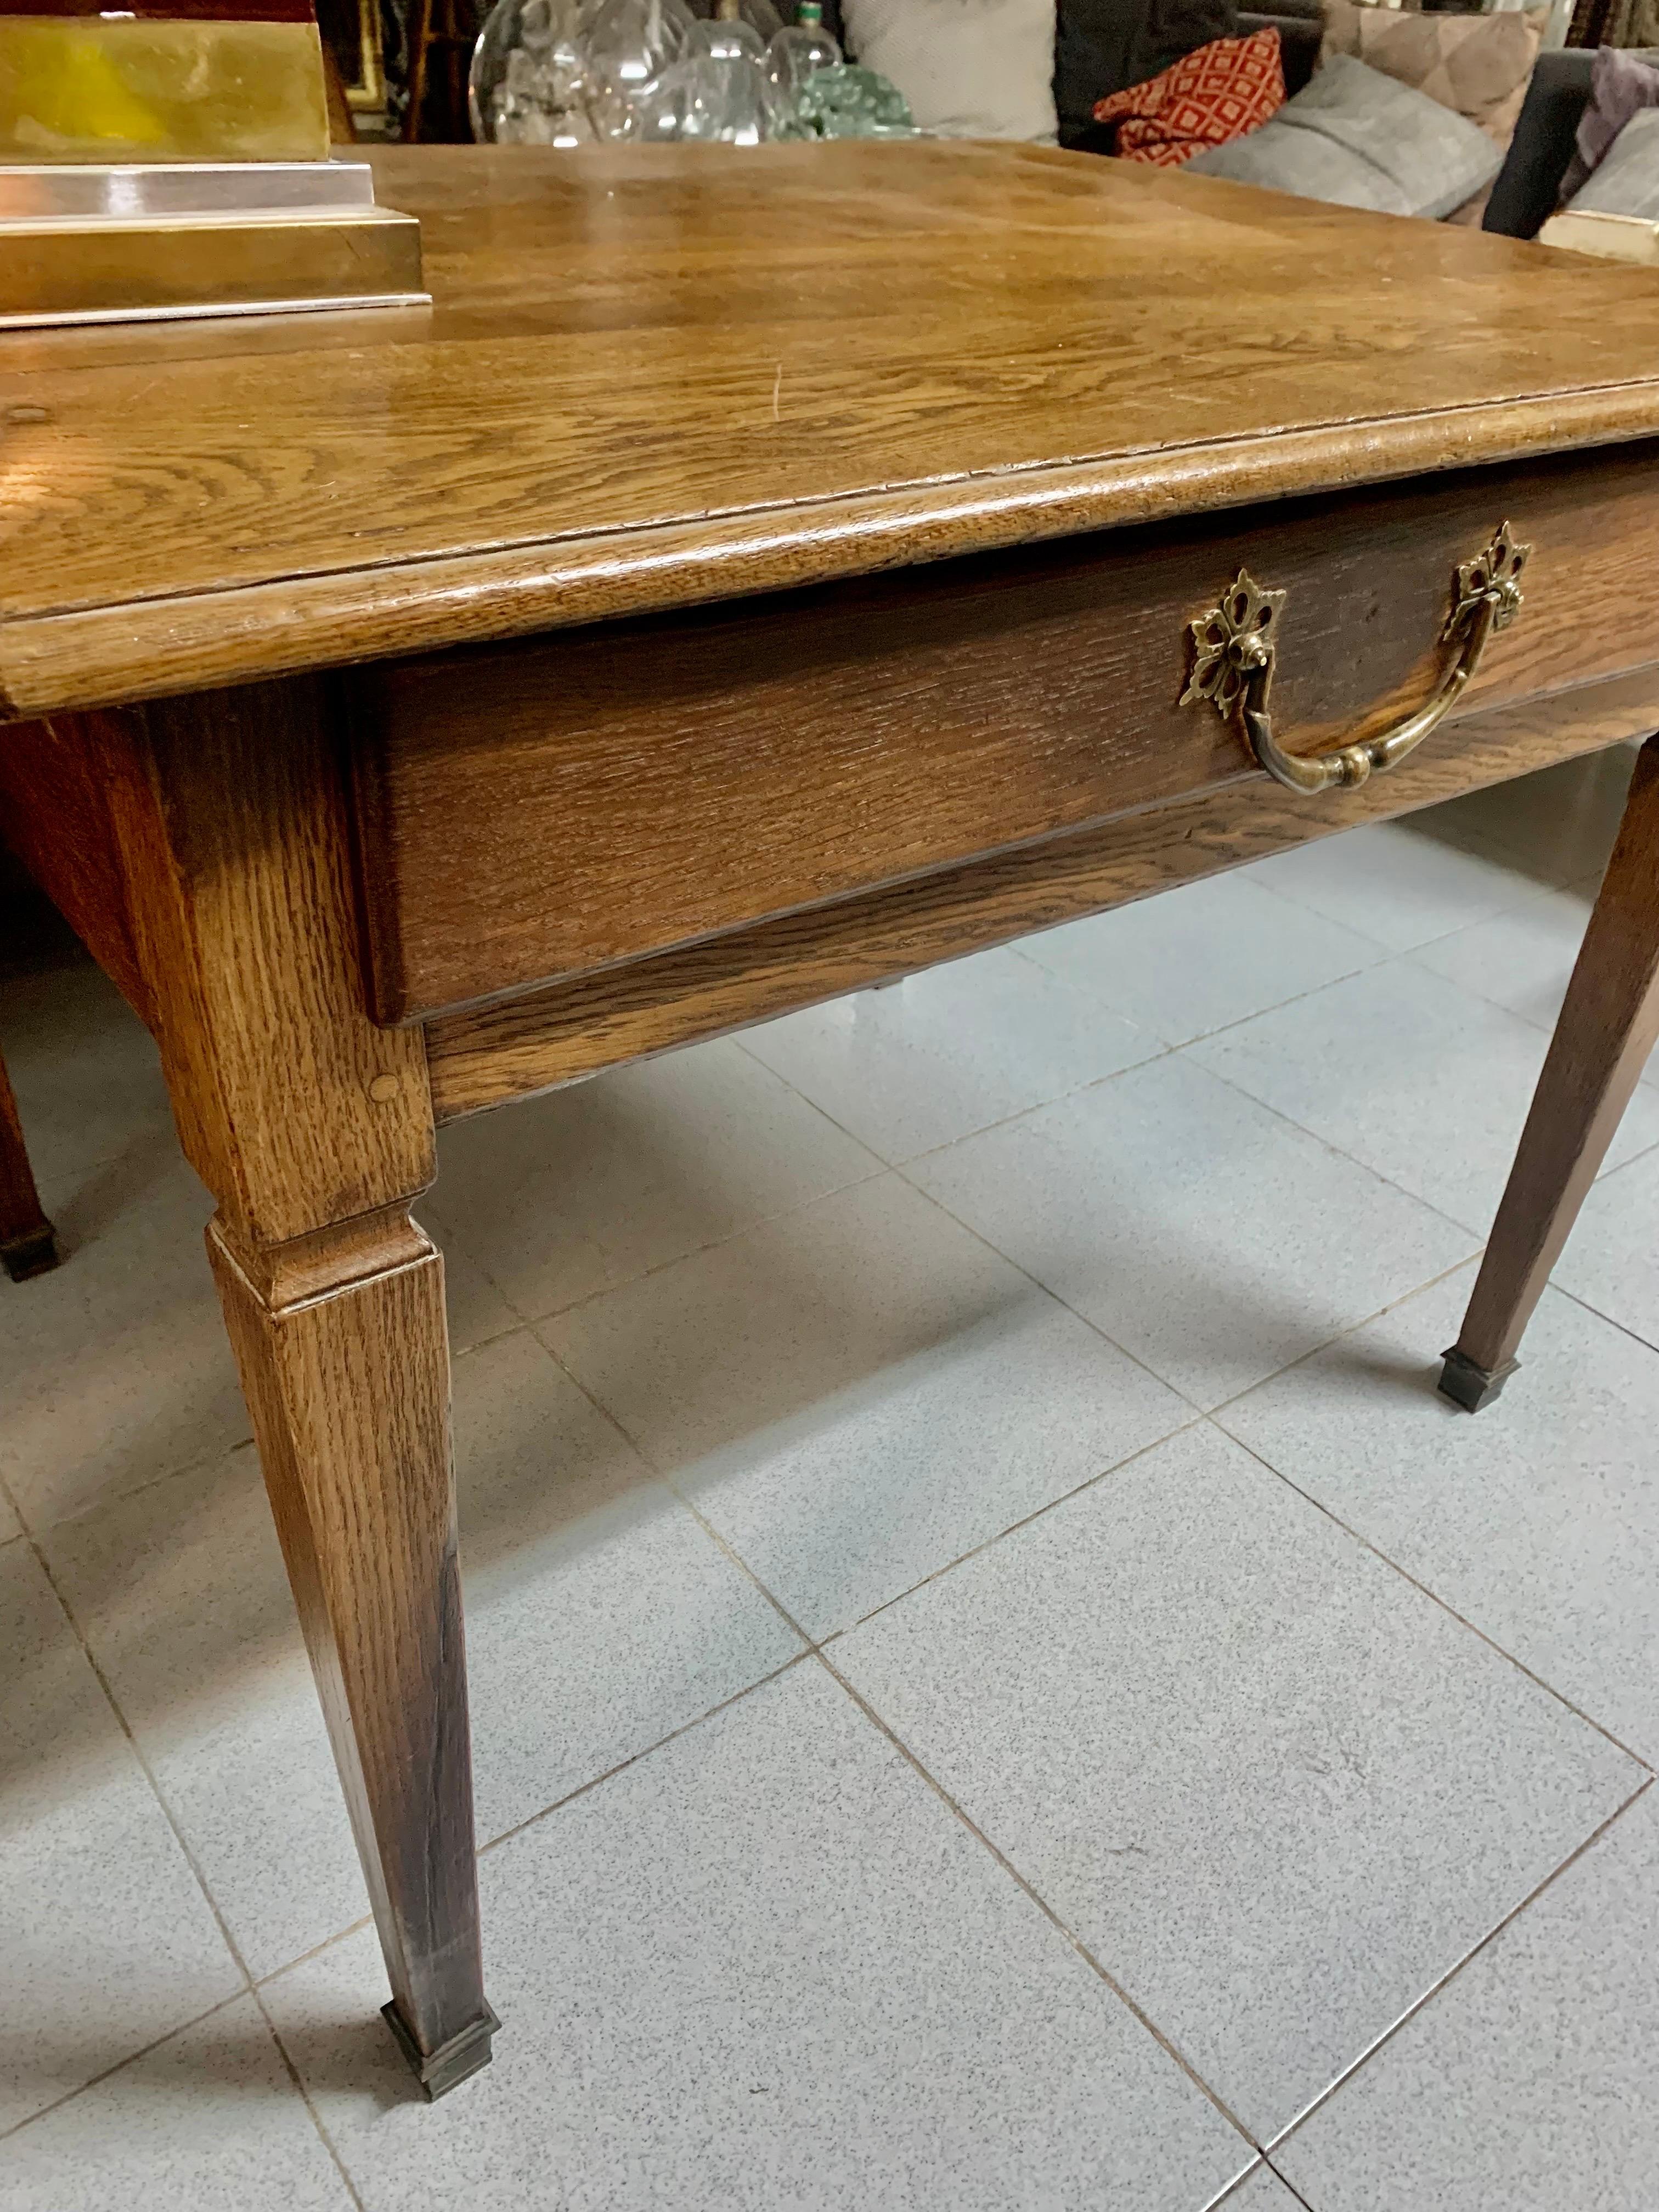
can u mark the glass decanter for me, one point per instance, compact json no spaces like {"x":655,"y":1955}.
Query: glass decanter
{"x":526,"y":85}
{"x":798,"y":49}
{"x":724,"y":40}
{"x":628,"y":44}
{"x":709,"y":98}
{"x":761,"y":16}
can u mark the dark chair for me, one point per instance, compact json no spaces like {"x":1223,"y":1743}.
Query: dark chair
{"x":1529,"y":182}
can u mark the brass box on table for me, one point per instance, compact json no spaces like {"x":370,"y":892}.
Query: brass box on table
{"x":174,"y":160}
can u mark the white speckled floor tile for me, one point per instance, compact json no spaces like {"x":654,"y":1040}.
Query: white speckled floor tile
{"x":591,"y":1186}
{"x":1537,"y":1519}
{"x":600,"y":1617}
{"x":1520,"y":959}
{"x":949,"y":1051}
{"x":1199,"y":959}
{"x":766,"y":1966}
{"x":208,"y":2121}
{"x":1558,"y":824}
{"x":1277,"y":1790}
{"x":1400,"y":884}
{"x":1413,"y":1076}
{"x":858,"y":1393}
{"x":85,"y":1071}
{"x":180,"y":1592}
{"x":1205,"y":1235}
{"x":1612,"y":1258}
{"x":476,"y":1310}
{"x":106,"y":1939}
{"x":117,"y":1366}
{"x":1260,"y":2192}
{"x":1531,"y":2082}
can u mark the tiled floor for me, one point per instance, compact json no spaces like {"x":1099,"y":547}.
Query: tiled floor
{"x":997,"y":1681}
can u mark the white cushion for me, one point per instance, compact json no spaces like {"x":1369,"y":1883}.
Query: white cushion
{"x":971,"y":69}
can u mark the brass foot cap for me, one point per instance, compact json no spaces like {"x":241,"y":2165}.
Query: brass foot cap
{"x":36,"y":1254}
{"x":445,"y":2068}
{"x":1470,"y":1386}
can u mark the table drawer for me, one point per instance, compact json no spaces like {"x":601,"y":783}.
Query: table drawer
{"x":539,"y":810}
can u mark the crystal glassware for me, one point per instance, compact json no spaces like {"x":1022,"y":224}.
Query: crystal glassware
{"x":527,"y":84}
{"x":705,"y":97}
{"x":800,"y":48}
{"x":721,"y":40}
{"x":846,"y":102}
{"x":628,"y":45}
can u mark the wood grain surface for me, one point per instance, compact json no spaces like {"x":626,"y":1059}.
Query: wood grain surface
{"x":27,"y":1244}
{"x":55,"y":815}
{"x":484,"y":1058}
{"x":349,"y":1396}
{"x":532,"y":811}
{"x":292,"y":1106}
{"x":658,"y":375}
{"x":1604,"y":1037}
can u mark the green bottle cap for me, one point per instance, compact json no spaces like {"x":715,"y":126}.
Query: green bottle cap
{"x":810,"y":12}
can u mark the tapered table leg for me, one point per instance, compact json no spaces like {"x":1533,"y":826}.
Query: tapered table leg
{"x":312,"y":1127}
{"x":344,"y":1360}
{"x":28,"y":1245}
{"x":1607,"y":1027}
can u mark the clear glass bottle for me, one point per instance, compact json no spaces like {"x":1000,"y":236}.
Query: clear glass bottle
{"x":724,"y":40}
{"x":628,"y":44}
{"x":703,"y":97}
{"x":526,"y":84}
{"x":800,"y":48}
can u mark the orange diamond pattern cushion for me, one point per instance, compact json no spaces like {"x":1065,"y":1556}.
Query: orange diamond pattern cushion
{"x":1215,"y":93}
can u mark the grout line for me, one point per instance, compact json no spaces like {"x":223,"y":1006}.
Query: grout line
{"x":1037,"y":1897}
{"x":1230,"y":2189}
{"x":1462,"y":1619}
{"x":108,"y":1499}
{"x":669,"y":1484}
{"x":1428,"y":1204}
{"x":1289,"y":2186}
{"x":316,"y":2116}
{"x":514,"y":1328}
{"x":339,"y":1936}
{"x":815,"y":1644}
{"x":1162,"y":1050}
{"x":1452,"y":1972}
{"x":582,"y":1788}
{"x":949,"y":1566}
{"x":543,"y":1812}
{"x":131,"y":2058}
{"x":1349,"y":1329}
{"x":715,"y":1243}
{"x":1574,"y":1297}
{"x":148,"y":1771}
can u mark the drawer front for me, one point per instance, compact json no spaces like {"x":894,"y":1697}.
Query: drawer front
{"x":544,"y":809}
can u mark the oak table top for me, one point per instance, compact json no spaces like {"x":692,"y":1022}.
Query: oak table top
{"x":922,"y":489}
{"x":652,"y":376}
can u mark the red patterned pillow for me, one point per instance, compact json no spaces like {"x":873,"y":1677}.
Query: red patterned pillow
{"x":1216,"y":93}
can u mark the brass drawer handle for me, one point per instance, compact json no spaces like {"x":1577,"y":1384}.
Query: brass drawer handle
{"x":1234,"y":646}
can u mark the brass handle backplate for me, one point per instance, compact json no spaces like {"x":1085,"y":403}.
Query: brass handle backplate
{"x":1234,"y":647}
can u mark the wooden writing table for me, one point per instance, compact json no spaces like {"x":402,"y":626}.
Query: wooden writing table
{"x":794,"y":562}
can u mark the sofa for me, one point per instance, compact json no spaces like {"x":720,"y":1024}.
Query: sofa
{"x":1103,"y":45}
{"x":1525,"y":193}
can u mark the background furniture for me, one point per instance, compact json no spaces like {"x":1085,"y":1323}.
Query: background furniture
{"x":27,"y":1244}
{"x":806,"y":619}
